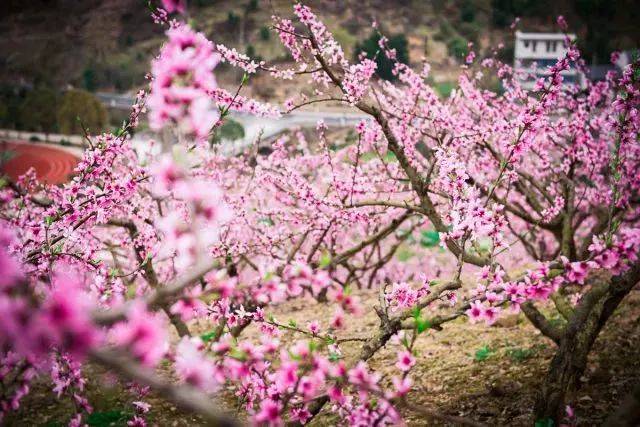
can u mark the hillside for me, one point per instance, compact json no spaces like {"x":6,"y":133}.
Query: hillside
{"x":107,"y":45}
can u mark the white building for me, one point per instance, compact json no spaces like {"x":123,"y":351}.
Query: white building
{"x":534,"y":53}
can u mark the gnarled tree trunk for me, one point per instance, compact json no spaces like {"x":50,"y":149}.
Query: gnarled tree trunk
{"x":570,"y":361}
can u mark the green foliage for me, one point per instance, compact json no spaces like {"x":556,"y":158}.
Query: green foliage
{"x":483,"y":353}
{"x":121,"y":71}
{"x":429,"y":238}
{"x":404,"y":254}
{"x":6,"y":155}
{"x":545,"y":422}
{"x":114,"y":417}
{"x":467,"y":11}
{"x":445,"y":31}
{"x":372,"y":50}
{"x":208,"y":336}
{"x":457,"y":47}
{"x":422,"y":323}
{"x":233,"y":20}
{"x":11,"y":99}
{"x":252,"y":6}
{"x":444,"y":88}
{"x":38,"y":111}
{"x":347,"y":40}
{"x":230,"y":130}
{"x":4,"y":112}
{"x":79,"y":106}
{"x":520,"y":354}
{"x":251,"y":51}
{"x":470,"y":31}
{"x":89,"y":79}
{"x":265,"y":34}
{"x":325,"y":260}
{"x":505,"y":11}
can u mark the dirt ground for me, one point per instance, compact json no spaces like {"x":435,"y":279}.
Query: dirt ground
{"x":487,"y":374}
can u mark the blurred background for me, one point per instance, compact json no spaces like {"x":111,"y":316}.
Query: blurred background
{"x":62,"y":57}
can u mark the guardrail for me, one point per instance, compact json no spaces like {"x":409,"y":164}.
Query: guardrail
{"x":56,"y":138}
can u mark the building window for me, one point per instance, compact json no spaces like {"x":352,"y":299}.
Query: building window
{"x":526,"y":43}
{"x":535,"y":43}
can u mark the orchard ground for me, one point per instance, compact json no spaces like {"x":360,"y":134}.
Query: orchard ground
{"x":487,"y":374}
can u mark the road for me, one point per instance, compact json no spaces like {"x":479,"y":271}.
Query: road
{"x":254,"y":125}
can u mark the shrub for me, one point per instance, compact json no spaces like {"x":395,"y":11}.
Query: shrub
{"x":78,"y":108}
{"x":252,"y":6}
{"x":233,"y":20}
{"x":457,"y":47}
{"x":38,"y":111}
{"x":467,"y":11}
{"x":265,"y":33}
{"x":384,"y":66}
{"x":89,"y":79}
{"x":251,"y":51}
{"x":230,"y":130}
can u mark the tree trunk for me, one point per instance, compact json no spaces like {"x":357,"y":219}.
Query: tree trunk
{"x":570,"y":361}
{"x":562,"y":379}
{"x":628,"y":414}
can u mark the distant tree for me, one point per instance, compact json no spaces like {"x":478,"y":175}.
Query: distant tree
{"x":89,"y":78}
{"x":457,"y":47}
{"x":251,"y":51}
{"x":232,"y":19}
{"x":265,"y":34}
{"x":38,"y":111}
{"x":467,"y":11}
{"x":505,"y":11}
{"x":230,"y":130}
{"x":81,"y":106}
{"x":598,"y":18}
{"x":11,"y":98}
{"x":252,"y":6}
{"x":371,"y":49}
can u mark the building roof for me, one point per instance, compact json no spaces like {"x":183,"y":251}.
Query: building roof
{"x":543,"y":36}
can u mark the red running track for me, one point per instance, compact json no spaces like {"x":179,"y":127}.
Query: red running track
{"x":52,"y":165}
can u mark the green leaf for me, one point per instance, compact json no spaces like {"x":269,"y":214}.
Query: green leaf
{"x":208,"y":336}
{"x":114,"y":417}
{"x":416,"y":312}
{"x":422,"y":325}
{"x":390,"y":156}
{"x":520,"y":354}
{"x":293,"y":323}
{"x":325,"y":260}
{"x":429,"y":238}
{"x":266,"y":221}
{"x":404,"y":254}
{"x":48,"y":220}
{"x":545,"y":422}
{"x":483,"y":353}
